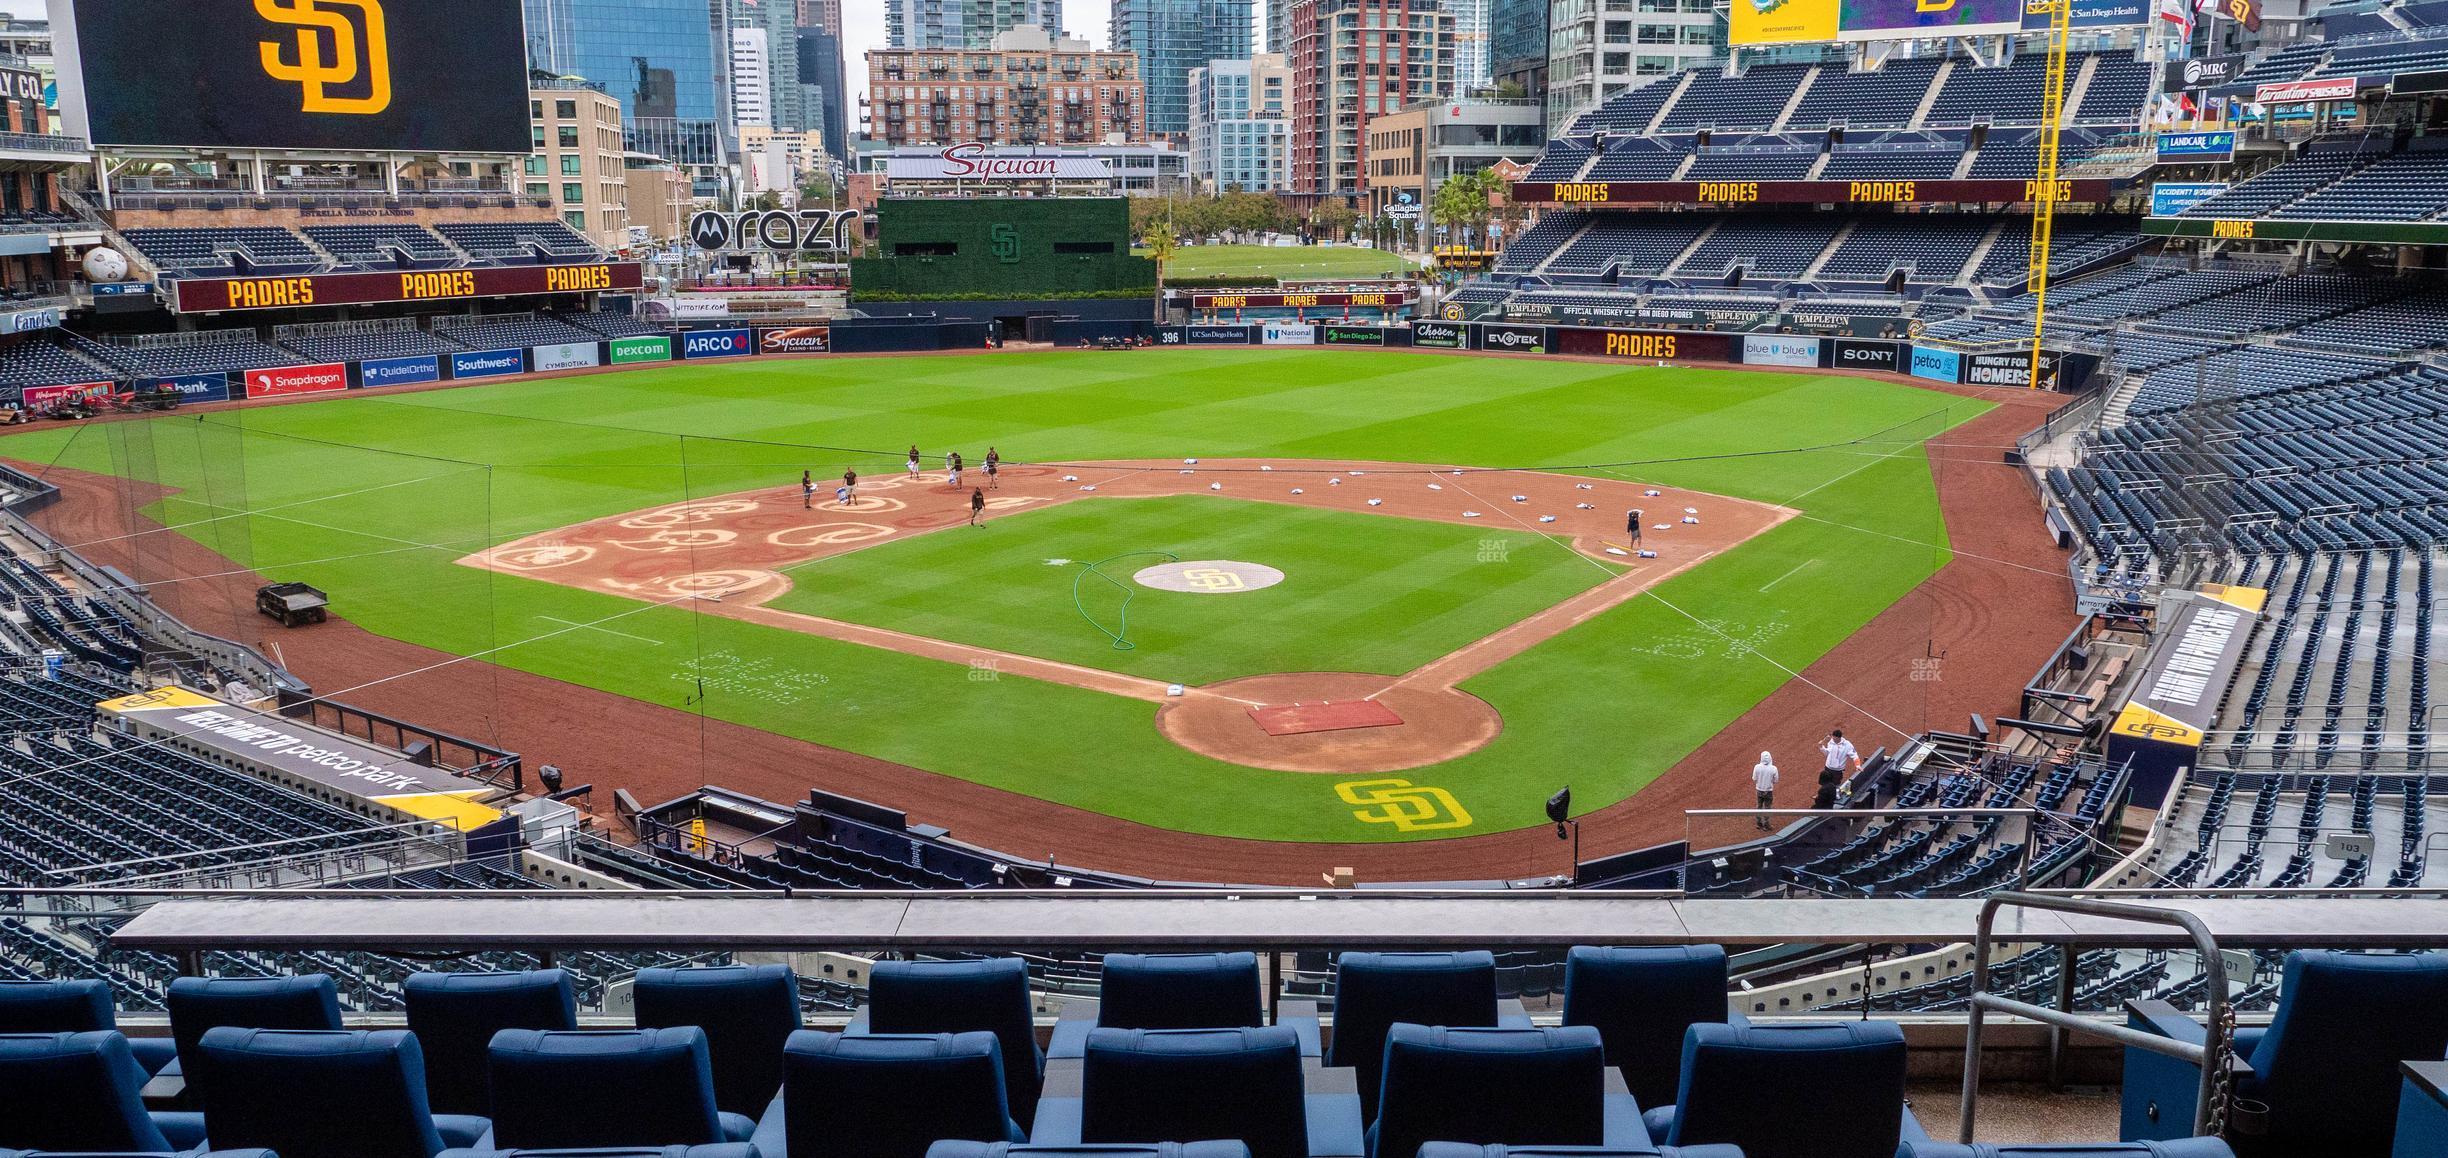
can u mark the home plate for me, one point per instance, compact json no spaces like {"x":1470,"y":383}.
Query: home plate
{"x":1324,"y":716}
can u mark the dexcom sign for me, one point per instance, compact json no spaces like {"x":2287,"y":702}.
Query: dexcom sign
{"x":717,"y":344}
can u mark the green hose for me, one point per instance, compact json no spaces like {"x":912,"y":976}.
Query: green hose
{"x":1118,"y":634}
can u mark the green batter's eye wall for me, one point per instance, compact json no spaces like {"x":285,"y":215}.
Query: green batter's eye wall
{"x":1003,"y":248}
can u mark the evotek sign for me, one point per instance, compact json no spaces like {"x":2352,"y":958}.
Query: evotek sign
{"x":1514,"y":339}
{"x":778,"y":230}
{"x":338,"y":44}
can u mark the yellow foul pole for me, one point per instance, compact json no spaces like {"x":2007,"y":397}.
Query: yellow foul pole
{"x":2045,"y":186}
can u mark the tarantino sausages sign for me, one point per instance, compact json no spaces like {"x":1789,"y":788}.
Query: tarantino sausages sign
{"x":194,"y":295}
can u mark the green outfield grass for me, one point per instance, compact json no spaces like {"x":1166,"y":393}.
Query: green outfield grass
{"x":376,"y":497}
{"x":1361,"y":593}
{"x":1285,"y":262}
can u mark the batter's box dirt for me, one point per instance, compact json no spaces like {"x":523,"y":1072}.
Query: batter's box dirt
{"x":727,"y":555}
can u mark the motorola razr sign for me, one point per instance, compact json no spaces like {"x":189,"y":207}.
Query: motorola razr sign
{"x":775,"y":230}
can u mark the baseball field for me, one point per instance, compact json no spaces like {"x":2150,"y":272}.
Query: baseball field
{"x":1301,"y":596}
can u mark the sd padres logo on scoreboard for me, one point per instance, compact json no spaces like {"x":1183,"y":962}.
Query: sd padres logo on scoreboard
{"x":328,"y":25}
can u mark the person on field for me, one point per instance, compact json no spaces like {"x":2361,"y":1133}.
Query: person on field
{"x":952,"y":469}
{"x":1838,"y":756}
{"x":994,"y":463}
{"x":849,"y":487}
{"x":1763,"y":785}
{"x":977,"y":506}
{"x":1632,"y":526}
{"x":807,"y":490}
{"x":913,"y":462}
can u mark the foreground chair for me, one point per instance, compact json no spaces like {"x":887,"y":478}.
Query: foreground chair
{"x":747,"y":1012}
{"x":1512,"y":1086}
{"x":2326,"y":1067}
{"x":963,"y":997}
{"x":1792,"y":1091}
{"x":886,"y":1095}
{"x":198,"y":1005}
{"x":136,"y":1154}
{"x":1141,"y":1150}
{"x":2422,"y":1110}
{"x":1466,"y":1150}
{"x":81,"y":1091}
{"x":1167,"y":991}
{"x":720,"y":1150}
{"x":455,"y":1015}
{"x":1251,"y":1085}
{"x":557,"y":1089}
{"x":324,"y":1094}
{"x":1641,"y":1001}
{"x":2181,"y":1148}
{"x":80,"y":1006}
{"x":1373,"y":991}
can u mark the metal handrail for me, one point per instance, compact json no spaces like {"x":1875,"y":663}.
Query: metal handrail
{"x":2210,"y":1056}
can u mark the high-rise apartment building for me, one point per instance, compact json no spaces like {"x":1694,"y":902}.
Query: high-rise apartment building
{"x":1517,"y":45}
{"x":776,"y":23}
{"x":1025,"y":88}
{"x":820,"y":78}
{"x":1240,"y":129}
{"x":1470,"y":40}
{"x":658,"y":58}
{"x":821,"y":14}
{"x":751,"y":79}
{"x":1172,"y":37}
{"x":580,"y":162}
{"x":970,"y":24}
{"x":1353,"y":60}
{"x":1598,"y":48}
{"x":1279,"y":25}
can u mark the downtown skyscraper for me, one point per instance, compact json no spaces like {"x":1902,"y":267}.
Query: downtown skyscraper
{"x":964,"y":24}
{"x":1173,"y":37}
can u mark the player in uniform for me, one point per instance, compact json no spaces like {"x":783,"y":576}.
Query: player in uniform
{"x":1632,"y":527}
{"x":994,"y":463}
{"x":913,"y":462}
{"x":952,"y":469}
{"x":849,"y":487}
{"x":977,"y":506}
{"x":807,"y":490}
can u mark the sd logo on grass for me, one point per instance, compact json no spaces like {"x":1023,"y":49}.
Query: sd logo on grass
{"x":1408,"y":807}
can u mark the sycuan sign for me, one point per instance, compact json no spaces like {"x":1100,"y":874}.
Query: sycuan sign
{"x":970,"y":159}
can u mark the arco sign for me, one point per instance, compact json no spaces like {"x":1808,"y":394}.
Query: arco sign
{"x":774,"y":230}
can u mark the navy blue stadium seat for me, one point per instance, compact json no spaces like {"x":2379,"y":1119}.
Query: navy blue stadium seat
{"x":1792,"y":1091}
{"x":79,"y":1006}
{"x":1469,"y":1150}
{"x":81,"y":1091}
{"x":886,"y":1095}
{"x":455,"y":1015}
{"x":747,"y":1012}
{"x":958,"y":997}
{"x":1168,"y":991}
{"x":1143,"y":1150}
{"x":1373,"y":991}
{"x":2422,"y":1110}
{"x":1514,"y":1086}
{"x":1641,"y":1001}
{"x":137,"y":1154}
{"x":323,"y":1094}
{"x":2327,"y":1064}
{"x":198,"y":1005}
{"x":1249,"y":1084}
{"x":616,"y":1087}
{"x":2181,"y":1148}
{"x":716,"y":1150}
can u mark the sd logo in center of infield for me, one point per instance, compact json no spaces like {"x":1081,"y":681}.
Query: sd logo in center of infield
{"x":1408,"y":807}
{"x":1208,"y":577}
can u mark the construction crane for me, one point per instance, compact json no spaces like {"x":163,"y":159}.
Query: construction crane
{"x":2046,"y":190}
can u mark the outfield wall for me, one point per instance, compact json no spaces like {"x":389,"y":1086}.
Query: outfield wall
{"x":932,"y":333}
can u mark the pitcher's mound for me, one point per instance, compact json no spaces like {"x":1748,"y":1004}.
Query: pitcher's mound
{"x":1325,"y":716}
{"x":1328,"y":722}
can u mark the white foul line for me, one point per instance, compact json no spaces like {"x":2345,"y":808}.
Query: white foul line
{"x":605,"y":630}
{"x":1789,"y":574}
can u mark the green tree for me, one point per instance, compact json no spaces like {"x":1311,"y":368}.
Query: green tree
{"x":1160,"y":244}
{"x":1333,"y":220}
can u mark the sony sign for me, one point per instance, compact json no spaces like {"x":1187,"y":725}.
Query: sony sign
{"x":778,"y":230}
{"x":970,"y":160}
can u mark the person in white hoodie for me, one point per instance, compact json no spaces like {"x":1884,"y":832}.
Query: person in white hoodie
{"x":1764,"y":782}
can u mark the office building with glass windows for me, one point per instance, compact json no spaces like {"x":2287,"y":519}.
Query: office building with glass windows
{"x":663,"y":60}
{"x":1240,"y":131}
{"x":1172,"y":37}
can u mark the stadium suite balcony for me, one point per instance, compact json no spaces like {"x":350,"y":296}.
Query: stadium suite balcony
{"x":41,"y":150}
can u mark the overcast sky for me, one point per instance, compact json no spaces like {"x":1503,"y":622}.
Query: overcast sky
{"x":863,"y":28}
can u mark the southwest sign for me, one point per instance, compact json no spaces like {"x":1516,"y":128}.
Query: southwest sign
{"x":215,"y":295}
{"x":1800,"y":192}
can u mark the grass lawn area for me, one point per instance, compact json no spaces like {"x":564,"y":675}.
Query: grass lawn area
{"x":1285,"y":262}
{"x":1361,"y":593}
{"x":375,"y":497}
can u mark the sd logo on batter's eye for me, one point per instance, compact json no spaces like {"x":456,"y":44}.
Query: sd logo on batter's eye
{"x":1211,"y":579}
{"x":1408,"y":807}
{"x":332,"y":52}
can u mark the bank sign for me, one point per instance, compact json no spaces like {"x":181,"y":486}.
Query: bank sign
{"x":1778,"y":350}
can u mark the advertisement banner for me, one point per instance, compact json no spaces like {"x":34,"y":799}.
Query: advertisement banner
{"x":1439,"y":335}
{"x":796,"y":340}
{"x":287,"y":381}
{"x":1791,"y":22}
{"x":37,"y":397}
{"x":1915,"y":192}
{"x":1288,"y":301}
{"x":122,"y":289}
{"x":1936,"y":365}
{"x":1513,"y":339}
{"x":1904,"y":19}
{"x":2304,"y":92}
{"x":2007,"y":370}
{"x":488,"y":363}
{"x":1217,"y":335}
{"x":2201,"y":72}
{"x":399,"y":371}
{"x":1854,"y":354}
{"x":215,"y":295}
{"x":631,"y":351}
{"x":190,"y":387}
{"x":2197,"y":148}
{"x":1287,"y":334}
{"x":1779,"y":350}
{"x":2169,"y":198}
{"x":27,"y":321}
{"x":2089,"y":14}
{"x":1352,"y":336}
{"x":1645,"y":346}
{"x":566,"y":356}
{"x":717,"y":344}
{"x":379,"y":76}
{"x":694,"y":308}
